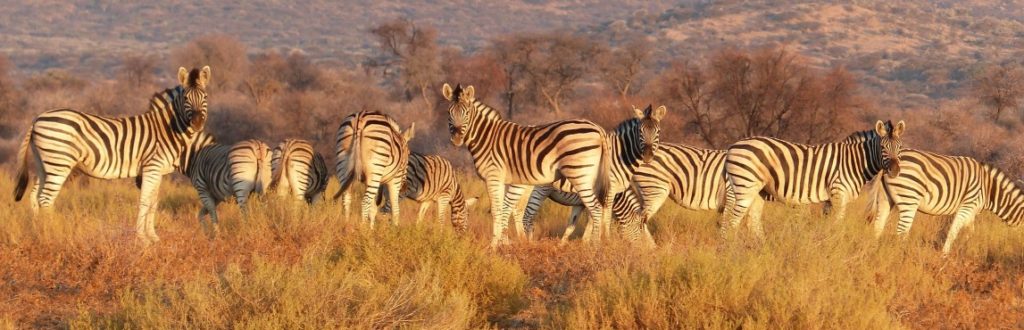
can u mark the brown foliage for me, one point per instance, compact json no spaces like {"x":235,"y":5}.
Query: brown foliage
{"x":224,"y":54}
{"x":769,"y":92}
{"x":999,"y":87}
{"x":412,"y":51}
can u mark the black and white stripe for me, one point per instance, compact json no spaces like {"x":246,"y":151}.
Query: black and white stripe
{"x":627,"y":208}
{"x":633,"y":143}
{"x":508,"y":154}
{"x":803,"y":174}
{"x":371,"y":148}
{"x":219,"y":172}
{"x":945,"y":185}
{"x":147,"y":146}
{"x":431,"y":179}
{"x":299,"y":171}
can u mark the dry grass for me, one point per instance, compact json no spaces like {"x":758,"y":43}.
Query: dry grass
{"x":287,"y":267}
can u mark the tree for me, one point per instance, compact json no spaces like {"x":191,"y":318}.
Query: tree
{"x":514,"y":55}
{"x":139,"y":69}
{"x":264,"y":79}
{"x":999,"y":87}
{"x":414,"y":51}
{"x":224,"y":54}
{"x":769,"y":92}
{"x":561,"y":61}
{"x":622,"y":66}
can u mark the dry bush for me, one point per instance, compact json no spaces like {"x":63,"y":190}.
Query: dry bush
{"x":225,"y":55}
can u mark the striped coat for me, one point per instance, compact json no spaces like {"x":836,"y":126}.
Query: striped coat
{"x":299,"y":171}
{"x":431,"y":179}
{"x":219,"y":172}
{"x":371,"y":149}
{"x":513,"y":157}
{"x":803,"y":174}
{"x":944,"y":185}
{"x":146,"y":146}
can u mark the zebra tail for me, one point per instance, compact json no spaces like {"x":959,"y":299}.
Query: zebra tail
{"x":876,"y":196}
{"x":352,"y":172}
{"x":19,"y":189}
{"x":282,"y":169}
{"x":261,"y":155}
{"x":603,"y":185}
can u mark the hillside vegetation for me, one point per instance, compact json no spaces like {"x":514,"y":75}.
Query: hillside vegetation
{"x":286,"y":266}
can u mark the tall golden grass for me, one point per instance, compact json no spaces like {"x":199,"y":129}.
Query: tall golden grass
{"x":289,"y":266}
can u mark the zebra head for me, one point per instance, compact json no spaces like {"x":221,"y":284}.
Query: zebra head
{"x":892,"y":145}
{"x":650,"y":130}
{"x":460,"y":112}
{"x":194,"y":84}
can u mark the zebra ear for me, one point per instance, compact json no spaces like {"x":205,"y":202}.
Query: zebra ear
{"x":204,"y":77}
{"x":659,"y":113}
{"x":446,"y":91}
{"x":183,"y":76}
{"x":409,"y":133}
{"x":639,"y":114}
{"x":467,"y":93}
{"x":880,"y":129}
{"x":471,"y":201}
{"x":898,"y":130}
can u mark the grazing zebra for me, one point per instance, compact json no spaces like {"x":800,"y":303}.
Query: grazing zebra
{"x":298,"y":170}
{"x":506,"y":153}
{"x":627,"y":208}
{"x":372,"y":149}
{"x":803,"y":174}
{"x":146,"y":146}
{"x":945,"y":185}
{"x":220,"y":171}
{"x":431,"y":179}
{"x":633,"y":143}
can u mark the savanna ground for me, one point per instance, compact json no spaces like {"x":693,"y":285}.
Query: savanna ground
{"x":288,"y":266}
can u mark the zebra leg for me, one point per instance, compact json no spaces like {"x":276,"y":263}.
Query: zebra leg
{"x":539,"y":195}
{"x":33,"y":196}
{"x":424,"y":207}
{"x":369,"y":212}
{"x":755,"y":212}
{"x":145,"y":227}
{"x":394,"y":195}
{"x":653,"y":199}
{"x":50,"y":185}
{"x":838,"y":201}
{"x":964,"y":217}
{"x":573,"y":220}
{"x":907,"y":211}
{"x":881,"y":215}
{"x":346,"y":203}
{"x":444,"y":206}
{"x":241,"y":197}
{"x":496,"y":192}
{"x":513,"y":197}
{"x":740,"y":204}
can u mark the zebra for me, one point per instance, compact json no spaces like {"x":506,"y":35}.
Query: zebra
{"x":431,"y":179}
{"x":371,"y":148}
{"x":627,"y":208}
{"x":633,"y":143}
{"x":220,"y":171}
{"x":145,"y":146}
{"x":944,"y":185}
{"x":299,"y":171}
{"x":506,"y":153}
{"x":803,"y":174}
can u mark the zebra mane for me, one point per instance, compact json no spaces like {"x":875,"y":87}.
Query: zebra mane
{"x":862,"y":136}
{"x":486,"y":111}
{"x":193,"y":78}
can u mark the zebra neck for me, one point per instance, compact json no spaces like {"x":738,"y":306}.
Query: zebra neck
{"x":485,"y":120}
{"x":625,"y":143}
{"x":1004,"y":197}
{"x":168,"y":107}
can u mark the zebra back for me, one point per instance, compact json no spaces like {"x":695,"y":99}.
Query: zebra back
{"x":370,"y":140}
{"x":298,"y":169}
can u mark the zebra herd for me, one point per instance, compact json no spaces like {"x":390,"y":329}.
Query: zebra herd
{"x":626,"y":173}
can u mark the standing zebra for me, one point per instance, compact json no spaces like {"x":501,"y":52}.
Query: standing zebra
{"x":146,"y":146}
{"x":945,"y":185}
{"x":220,"y":171}
{"x":372,"y":149}
{"x":298,"y":170}
{"x":803,"y":174}
{"x":431,"y":179}
{"x":506,"y":153}
{"x":633,"y":143}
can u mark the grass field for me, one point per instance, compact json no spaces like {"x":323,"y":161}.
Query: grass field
{"x":287,"y":266}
